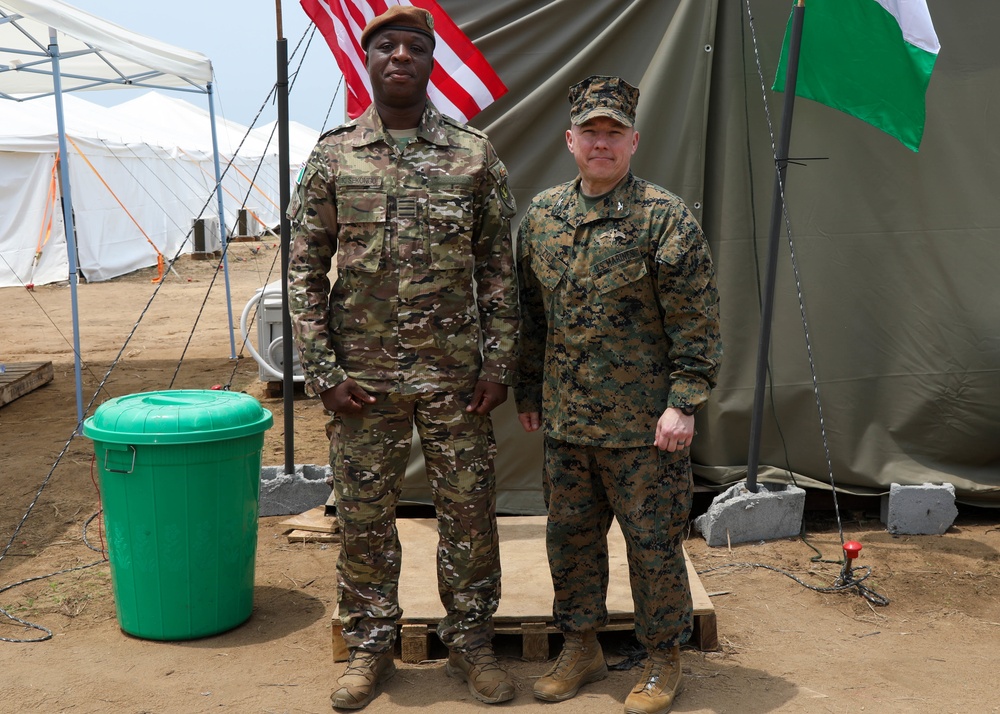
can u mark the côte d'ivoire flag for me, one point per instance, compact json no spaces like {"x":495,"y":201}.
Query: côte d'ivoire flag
{"x":462,"y":83}
{"x":871,"y":59}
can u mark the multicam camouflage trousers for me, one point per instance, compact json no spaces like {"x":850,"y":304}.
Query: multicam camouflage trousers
{"x":368,"y":455}
{"x":651,"y":494}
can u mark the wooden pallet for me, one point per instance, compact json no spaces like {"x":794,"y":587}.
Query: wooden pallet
{"x":20,"y":378}
{"x":526,"y":606}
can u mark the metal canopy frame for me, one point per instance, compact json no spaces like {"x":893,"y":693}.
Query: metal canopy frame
{"x":43,"y":65}
{"x":133,"y":61}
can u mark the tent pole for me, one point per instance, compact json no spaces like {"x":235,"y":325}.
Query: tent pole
{"x":67,"y":206}
{"x":223,"y":234}
{"x":777,"y":206}
{"x":284,"y":192}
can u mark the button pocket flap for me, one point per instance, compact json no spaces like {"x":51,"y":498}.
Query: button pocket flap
{"x":619,"y":270}
{"x":361,"y":207}
{"x":548,"y":269}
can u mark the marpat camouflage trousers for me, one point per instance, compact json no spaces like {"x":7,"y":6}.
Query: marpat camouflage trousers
{"x":587,"y":486}
{"x":368,"y":455}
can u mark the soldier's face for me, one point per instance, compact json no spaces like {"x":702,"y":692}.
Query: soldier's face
{"x":399,"y":65}
{"x":603,"y":150}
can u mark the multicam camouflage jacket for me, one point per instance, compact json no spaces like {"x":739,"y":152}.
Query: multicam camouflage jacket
{"x":424,"y":296}
{"x":619,"y":313}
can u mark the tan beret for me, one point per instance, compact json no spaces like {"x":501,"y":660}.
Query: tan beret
{"x":400,"y":17}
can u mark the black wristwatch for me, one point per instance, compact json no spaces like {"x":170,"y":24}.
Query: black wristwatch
{"x":688,"y":409}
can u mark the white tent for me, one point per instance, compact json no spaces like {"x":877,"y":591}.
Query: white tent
{"x":48,"y":47}
{"x":141,"y":171}
{"x":95,"y":53}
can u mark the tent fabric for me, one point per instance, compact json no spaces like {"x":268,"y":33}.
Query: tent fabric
{"x":26,"y":211}
{"x":896,"y":252}
{"x":539,"y":49}
{"x":125,"y":59}
{"x":897,"y":258}
{"x":94,"y":54}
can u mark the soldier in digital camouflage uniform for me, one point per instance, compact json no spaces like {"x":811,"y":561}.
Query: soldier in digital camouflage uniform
{"x":411,"y":208}
{"x":619,"y":348}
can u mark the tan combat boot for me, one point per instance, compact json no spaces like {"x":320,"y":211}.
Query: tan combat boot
{"x":488,"y":682}
{"x":365,"y":670}
{"x":660,"y":684}
{"x":581,"y":661}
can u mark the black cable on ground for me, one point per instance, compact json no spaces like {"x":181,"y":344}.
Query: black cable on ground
{"x":847,"y":580}
{"x":633,"y":654}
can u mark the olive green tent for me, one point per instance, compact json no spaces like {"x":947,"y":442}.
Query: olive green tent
{"x":896,"y":252}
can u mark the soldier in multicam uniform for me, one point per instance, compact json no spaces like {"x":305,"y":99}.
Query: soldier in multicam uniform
{"x":619,"y":347}
{"x":413,"y":210}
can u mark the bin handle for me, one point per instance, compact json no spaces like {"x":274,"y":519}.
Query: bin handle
{"x":131,"y":468}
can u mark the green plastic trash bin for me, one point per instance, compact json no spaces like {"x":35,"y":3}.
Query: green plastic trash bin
{"x":180,"y":480}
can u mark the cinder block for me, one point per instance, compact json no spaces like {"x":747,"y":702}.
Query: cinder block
{"x":925,"y":509}
{"x":284,"y":494}
{"x":739,"y":515}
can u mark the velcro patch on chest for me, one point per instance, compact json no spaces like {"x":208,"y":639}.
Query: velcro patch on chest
{"x":372,"y":181}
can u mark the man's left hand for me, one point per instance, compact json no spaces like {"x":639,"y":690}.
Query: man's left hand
{"x":674,"y":430}
{"x":486,"y":397}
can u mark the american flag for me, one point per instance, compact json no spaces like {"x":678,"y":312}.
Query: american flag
{"x":462,"y":83}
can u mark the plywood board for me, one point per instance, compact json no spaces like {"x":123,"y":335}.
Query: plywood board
{"x":527,"y":587}
{"x":526,"y":604}
{"x":297,"y":536}
{"x":315,"y":519}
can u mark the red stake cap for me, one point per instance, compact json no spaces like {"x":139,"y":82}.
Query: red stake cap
{"x":851,"y":549}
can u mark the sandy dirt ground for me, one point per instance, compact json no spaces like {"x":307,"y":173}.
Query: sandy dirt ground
{"x":784,"y":647}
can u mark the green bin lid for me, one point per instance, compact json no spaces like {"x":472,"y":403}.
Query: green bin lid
{"x":182,"y":416}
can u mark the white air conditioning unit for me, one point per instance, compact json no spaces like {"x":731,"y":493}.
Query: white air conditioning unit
{"x":270,"y":338}
{"x":206,"y":235}
{"x":248,"y":222}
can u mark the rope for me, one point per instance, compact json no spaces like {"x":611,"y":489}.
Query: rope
{"x":225,"y":248}
{"x":47,"y":633}
{"x":97,"y":173}
{"x":48,"y":215}
{"x":41,"y":628}
{"x":155,"y":175}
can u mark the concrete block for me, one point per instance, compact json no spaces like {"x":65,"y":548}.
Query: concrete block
{"x":284,"y":494}
{"x":924,"y":509}
{"x":738,"y":515}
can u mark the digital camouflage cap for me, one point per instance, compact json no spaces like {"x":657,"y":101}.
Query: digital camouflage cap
{"x":603,"y":96}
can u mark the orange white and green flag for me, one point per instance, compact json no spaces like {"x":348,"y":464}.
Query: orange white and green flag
{"x":871,"y":59}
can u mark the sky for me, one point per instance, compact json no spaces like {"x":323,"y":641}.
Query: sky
{"x":239,"y":36}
